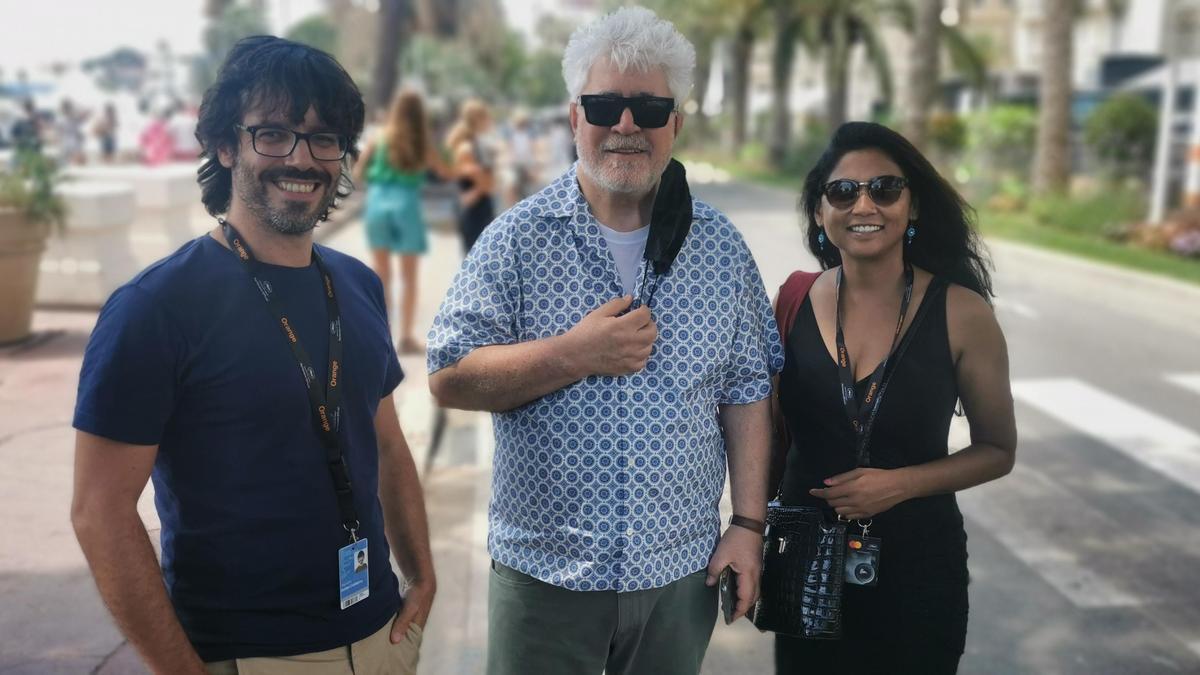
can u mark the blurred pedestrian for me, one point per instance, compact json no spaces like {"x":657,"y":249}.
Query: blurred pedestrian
{"x":156,"y":142}
{"x":270,"y":479}
{"x":560,"y":144}
{"x":867,"y":399}
{"x":395,"y":163}
{"x":523,"y":153}
{"x":27,"y":132}
{"x":621,"y":335}
{"x":105,"y":131}
{"x":474,"y":167}
{"x":68,"y":131}
{"x":182,"y":127}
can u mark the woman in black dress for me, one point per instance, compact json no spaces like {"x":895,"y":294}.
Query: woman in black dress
{"x":473,"y":167}
{"x":885,"y":226}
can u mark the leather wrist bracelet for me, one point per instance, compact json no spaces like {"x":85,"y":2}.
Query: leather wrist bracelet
{"x":755,"y":526}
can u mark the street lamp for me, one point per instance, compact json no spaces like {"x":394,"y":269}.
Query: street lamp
{"x":1173,"y":22}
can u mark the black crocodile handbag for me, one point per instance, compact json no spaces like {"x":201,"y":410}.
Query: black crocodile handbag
{"x":804,"y":558}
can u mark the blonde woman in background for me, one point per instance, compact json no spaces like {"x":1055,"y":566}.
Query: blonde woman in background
{"x":474,"y":169}
{"x":395,"y":164}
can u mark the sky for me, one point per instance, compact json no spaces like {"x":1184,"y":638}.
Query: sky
{"x":41,"y":31}
{"x":73,"y":30}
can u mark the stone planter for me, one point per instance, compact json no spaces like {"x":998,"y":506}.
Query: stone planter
{"x":21,"y":246}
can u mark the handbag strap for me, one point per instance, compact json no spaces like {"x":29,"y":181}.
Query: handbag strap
{"x":791,"y":296}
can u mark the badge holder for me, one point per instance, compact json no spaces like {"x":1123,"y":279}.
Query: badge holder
{"x":354,"y":578}
{"x":862,"y":557}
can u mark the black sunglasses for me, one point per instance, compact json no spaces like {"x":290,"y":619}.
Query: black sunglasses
{"x":649,"y":112}
{"x":883,"y":190}
{"x":278,"y":142}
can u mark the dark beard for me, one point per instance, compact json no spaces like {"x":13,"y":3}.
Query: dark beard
{"x":292,"y":218}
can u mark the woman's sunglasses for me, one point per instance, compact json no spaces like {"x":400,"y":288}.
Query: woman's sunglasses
{"x":883,"y":190}
{"x":649,"y":112}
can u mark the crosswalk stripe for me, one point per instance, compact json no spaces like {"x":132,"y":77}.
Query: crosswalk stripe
{"x":1149,"y":439}
{"x":997,"y":509}
{"x":993,"y":508}
{"x":1189,"y":381}
{"x":1019,"y":308}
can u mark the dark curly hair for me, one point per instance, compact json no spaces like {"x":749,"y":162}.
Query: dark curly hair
{"x":280,"y":76}
{"x":947,"y":243}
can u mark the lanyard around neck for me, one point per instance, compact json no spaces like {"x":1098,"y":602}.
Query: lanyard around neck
{"x":324,"y":401}
{"x":862,"y":416}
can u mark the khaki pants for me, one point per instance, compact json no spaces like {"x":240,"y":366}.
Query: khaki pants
{"x":372,"y":655}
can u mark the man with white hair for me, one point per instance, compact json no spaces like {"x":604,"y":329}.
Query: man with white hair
{"x":620,"y":333}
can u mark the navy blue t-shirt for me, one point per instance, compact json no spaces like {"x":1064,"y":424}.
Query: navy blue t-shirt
{"x":187,"y":356}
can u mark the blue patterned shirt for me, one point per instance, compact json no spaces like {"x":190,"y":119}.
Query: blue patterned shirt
{"x":611,"y":483}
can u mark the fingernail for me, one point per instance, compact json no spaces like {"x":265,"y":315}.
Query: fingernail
{"x":828,"y":481}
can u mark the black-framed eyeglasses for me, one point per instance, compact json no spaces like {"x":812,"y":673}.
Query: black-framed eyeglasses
{"x":279,"y":142}
{"x":649,"y":112}
{"x":883,"y":190}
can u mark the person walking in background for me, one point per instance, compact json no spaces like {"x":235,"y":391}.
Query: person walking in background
{"x":867,"y":398}
{"x":251,"y":375}
{"x":394,"y":164}
{"x":69,"y":134}
{"x":523,"y":154}
{"x":474,"y":167}
{"x":28,"y":131}
{"x":156,"y":143}
{"x":182,"y":127}
{"x":105,"y":131}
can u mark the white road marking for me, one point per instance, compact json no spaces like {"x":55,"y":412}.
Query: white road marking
{"x":477,"y":615}
{"x":1149,"y":439}
{"x":1019,"y":308}
{"x":998,"y":509}
{"x":1189,"y":381}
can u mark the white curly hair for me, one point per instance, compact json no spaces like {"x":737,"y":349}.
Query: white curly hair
{"x":631,"y":37}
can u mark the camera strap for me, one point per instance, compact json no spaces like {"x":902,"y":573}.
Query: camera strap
{"x":325,"y":402}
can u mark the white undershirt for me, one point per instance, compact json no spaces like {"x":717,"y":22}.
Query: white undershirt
{"x":627,"y":249}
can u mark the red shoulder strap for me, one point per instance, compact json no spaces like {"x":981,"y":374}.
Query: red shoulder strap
{"x":791,"y":296}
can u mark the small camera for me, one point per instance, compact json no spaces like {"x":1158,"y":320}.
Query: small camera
{"x":862,"y":560}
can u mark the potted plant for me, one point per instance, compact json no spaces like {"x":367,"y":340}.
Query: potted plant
{"x":28,"y":209}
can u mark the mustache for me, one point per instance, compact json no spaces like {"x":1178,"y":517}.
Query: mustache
{"x":285,"y":173}
{"x":627,"y":143}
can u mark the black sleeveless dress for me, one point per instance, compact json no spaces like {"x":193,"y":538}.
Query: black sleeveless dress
{"x":915,"y":619}
{"x":473,"y":219}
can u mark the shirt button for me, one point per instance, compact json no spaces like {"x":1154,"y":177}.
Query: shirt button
{"x":629,"y":532}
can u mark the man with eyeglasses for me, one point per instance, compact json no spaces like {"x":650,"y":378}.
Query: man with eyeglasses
{"x":620,"y":333}
{"x":250,"y":374}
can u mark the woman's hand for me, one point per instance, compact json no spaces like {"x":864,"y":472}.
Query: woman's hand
{"x":864,"y":492}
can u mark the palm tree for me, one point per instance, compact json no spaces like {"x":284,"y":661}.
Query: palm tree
{"x":394,"y":16}
{"x":788,"y":24}
{"x":741,"y":51}
{"x":841,"y":25}
{"x":1051,"y":158}
{"x":703,"y":22}
{"x":923,"y":73}
{"x":922,"y":20}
